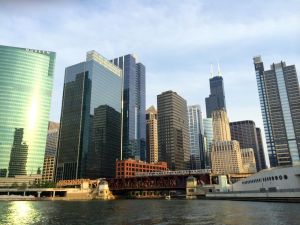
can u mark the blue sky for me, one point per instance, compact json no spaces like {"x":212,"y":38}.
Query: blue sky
{"x":177,"y":40}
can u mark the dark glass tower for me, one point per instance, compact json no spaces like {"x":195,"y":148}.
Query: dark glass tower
{"x":173,"y":131}
{"x":245,"y":133}
{"x":134,"y":120}
{"x":216,"y":99}
{"x":280,"y":106}
{"x":90,"y":127}
{"x":26,"y":78}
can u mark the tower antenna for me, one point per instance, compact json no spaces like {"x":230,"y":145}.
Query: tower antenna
{"x":219,"y":70}
{"x":211,"y":70}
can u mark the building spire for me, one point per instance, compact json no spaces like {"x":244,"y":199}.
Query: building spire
{"x":219,"y":70}
{"x":211,"y":71}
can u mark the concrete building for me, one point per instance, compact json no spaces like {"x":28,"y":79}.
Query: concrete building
{"x":248,"y":160}
{"x":279,"y":96}
{"x":196,"y":133}
{"x":216,"y":99}
{"x":173,"y":134}
{"x":226,"y":155}
{"x":130,"y":167}
{"x":151,"y":134}
{"x":245,"y":132}
{"x":90,"y":127}
{"x":134,"y":100}
{"x":26,"y":81}
{"x":221,"y":128}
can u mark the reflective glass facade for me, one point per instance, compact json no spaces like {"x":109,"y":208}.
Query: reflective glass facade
{"x":280,"y":105}
{"x":196,"y":133}
{"x":26,"y":78}
{"x":208,"y":138}
{"x":134,"y":100}
{"x":90,"y":127}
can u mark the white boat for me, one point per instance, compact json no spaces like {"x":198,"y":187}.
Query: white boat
{"x":168,"y":197}
{"x":277,"y":183}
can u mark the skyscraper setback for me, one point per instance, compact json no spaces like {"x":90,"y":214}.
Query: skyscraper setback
{"x":90,"y":127}
{"x":134,"y":122}
{"x":280,"y":106}
{"x":173,"y":133}
{"x":26,"y":77}
{"x":216,"y":99}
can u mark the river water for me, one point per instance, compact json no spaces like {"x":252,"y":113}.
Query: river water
{"x":148,"y":212}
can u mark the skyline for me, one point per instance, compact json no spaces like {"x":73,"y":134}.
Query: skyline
{"x":200,"y":33}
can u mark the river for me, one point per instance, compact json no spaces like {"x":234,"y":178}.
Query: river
{"x":164,"y":212}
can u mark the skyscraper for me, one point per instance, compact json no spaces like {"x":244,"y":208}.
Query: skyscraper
{"x":90,"y":126}
{"x":51,"y":148}
{"x":216,"y":99}
{"x":134,"y":100}
{"x":245,"y":133}
{"x":208,"y":139}
{"x":173,"y":132}
{"x":226,"y":155}
{"x":196,"y":133}
{"x":280,"y":106}
{"x":151,"y":134}
{"x":26,"y":77}
{"x":221,"y":129}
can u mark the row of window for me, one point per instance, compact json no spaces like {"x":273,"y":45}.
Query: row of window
{"x":265,"y":179}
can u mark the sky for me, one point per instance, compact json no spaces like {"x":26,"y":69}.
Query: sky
{"x":176,"y":40}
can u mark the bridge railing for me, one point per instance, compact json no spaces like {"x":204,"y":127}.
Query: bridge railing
{"x":169,"y":173}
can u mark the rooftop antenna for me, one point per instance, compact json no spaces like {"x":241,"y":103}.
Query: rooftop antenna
{"x":219,"y":70}
{"x":211,"y":70}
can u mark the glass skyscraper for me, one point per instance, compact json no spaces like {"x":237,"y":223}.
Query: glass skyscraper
{"x":134,"y":100}
{"x":280,"y":106}
{"x":26,"y":80}
{"x":208,"y":139}
{"x":216,"y":99}
{"x":90,"y":126}
{"x":196,"y":133}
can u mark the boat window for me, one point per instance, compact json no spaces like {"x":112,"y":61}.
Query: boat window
{"x":280,"y":177}
{"x":285,"y":177}
{"x":276,"y":178}
{"x":272,"y":178}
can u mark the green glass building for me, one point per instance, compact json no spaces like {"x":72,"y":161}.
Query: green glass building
{"x":26,"y":78}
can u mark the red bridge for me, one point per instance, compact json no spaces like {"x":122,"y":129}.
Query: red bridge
{"x":164,"y":180}
{"x":159,"y":180}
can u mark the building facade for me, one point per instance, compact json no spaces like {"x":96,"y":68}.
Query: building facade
{"x":221,"y":128}
{"x":173,"y":133}
{"x":134,"y":107}
{"x":245,"y":132}
{"x":216,"y":99}
{"x":226,"y":155}
{"x":90,"y":127}
{"x":50,"y":153}
{"x":26,"y":80}
{"x":208,"y":139}
{"x":280,"y":106}
{"x":248,"y":160}
{"x":131,"y":167}
{"x":151,"y":134}
{"x":196,"y":133}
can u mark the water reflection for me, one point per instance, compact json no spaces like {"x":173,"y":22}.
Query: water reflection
{"x":21,"y":212}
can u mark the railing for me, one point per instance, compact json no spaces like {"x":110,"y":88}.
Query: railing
{"x":168,"y":173}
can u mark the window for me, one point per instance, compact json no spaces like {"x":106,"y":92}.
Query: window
{"x":280,"y":177}
{"x":285,"y":177}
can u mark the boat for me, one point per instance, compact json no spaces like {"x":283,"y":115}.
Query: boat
{"x":168,"y":197}
{"x":273,"y":184}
